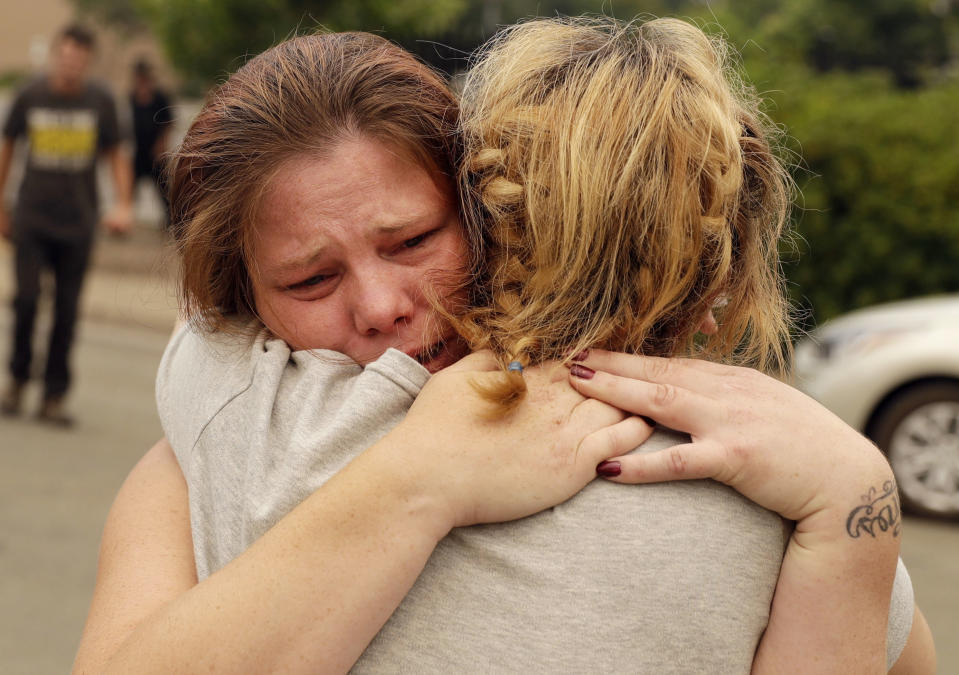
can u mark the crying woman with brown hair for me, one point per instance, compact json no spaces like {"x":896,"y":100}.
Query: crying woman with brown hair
{"x":622,"y":205}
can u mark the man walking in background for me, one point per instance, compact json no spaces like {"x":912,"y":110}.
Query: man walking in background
{"x":152,"y":121}
{"x":67,"y":123}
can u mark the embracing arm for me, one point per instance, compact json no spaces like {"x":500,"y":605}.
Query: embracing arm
{"x":314,"y":590}
{"x":327,"y":575}
{"x":787,"y":453}
{"x":831,"y":604}
{"x":146,"y":556}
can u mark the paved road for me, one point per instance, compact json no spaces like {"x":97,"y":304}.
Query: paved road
{"x":56,"y":487}
{"x":930,"y":550}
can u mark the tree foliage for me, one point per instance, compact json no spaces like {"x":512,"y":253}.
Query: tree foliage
{"x":207,"y":39}
{"x":870,"y":134}
{"x":865,"y":93}
{"x":879,"y":214}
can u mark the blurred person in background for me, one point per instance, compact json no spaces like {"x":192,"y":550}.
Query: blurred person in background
{"x":152,"y":121}
{"x":67,"y":122}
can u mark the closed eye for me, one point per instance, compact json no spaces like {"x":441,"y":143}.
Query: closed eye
{"x":315,"y":280}
{"x":419,"y":239}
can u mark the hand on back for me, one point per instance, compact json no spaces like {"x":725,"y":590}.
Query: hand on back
{"x":767,"y":440}
{"x":486,"y":470}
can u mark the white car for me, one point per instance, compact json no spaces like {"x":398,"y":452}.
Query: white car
{"x":892,"y":372}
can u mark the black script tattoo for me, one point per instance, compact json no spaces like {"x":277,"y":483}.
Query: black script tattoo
{"x":879,"y":512}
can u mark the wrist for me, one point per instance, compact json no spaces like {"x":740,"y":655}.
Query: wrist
{"x":858,"y":508}
{"x":412,"y":493}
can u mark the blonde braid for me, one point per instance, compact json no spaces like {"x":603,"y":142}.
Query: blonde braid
{"x":620,"y":179}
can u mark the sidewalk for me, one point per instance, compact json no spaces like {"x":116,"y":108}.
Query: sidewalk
{"x":55,"y":485}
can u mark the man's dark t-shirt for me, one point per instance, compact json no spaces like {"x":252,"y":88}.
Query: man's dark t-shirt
{"x":65,"y":134}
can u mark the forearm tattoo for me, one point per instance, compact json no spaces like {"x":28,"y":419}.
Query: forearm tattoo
{"x":878,"y":513}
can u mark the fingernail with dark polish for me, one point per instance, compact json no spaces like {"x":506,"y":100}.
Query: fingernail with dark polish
{"x":609,"y":469}
{"x":581,"y":356}
{"x":582,"y":372}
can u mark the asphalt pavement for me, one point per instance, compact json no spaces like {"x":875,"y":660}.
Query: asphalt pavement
{"x":56,"y":486}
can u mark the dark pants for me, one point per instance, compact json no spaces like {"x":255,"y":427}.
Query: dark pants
{"x":68,"y":260}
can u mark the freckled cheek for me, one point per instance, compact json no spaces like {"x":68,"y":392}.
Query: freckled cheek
{"x":448,"y":271}
{"x":323,"y":327}
{"x":302,"y":325}
{"x":277,"y":318}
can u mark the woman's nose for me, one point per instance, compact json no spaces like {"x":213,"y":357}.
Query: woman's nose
{"x":382,"y":304}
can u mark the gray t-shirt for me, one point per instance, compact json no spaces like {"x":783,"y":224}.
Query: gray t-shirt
{"x":64,"y":134}
{"x":673,"y":577}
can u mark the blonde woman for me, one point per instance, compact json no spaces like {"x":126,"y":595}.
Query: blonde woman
{"x":623,"y":182}
{"x":341,"y":237}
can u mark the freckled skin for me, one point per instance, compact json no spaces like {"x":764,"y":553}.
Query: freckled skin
{"x":345,"y":246}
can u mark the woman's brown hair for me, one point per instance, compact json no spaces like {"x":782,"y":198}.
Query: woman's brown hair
{"x":300,"y":97}
{"x":623,"y":182}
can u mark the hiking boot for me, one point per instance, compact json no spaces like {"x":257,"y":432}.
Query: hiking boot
{"x":52,"y":412}
{"x":12,"y":399}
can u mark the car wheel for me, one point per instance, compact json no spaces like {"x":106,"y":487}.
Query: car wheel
{"x":918,"y":429}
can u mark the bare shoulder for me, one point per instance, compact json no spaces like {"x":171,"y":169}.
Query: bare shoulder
{"x":146,"y":555}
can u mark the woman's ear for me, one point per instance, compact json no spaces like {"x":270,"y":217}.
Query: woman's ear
{"x":709,"y":325}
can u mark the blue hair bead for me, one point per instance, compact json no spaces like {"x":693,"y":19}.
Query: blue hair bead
{"x":515,"y":367}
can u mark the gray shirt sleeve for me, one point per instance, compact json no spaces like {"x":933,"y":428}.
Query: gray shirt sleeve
{"x":900,"y":615}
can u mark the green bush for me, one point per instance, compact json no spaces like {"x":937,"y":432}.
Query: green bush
{"x":878,"y":210}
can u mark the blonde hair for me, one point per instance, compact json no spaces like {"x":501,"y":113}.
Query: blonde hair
{"x":621,"y":181}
